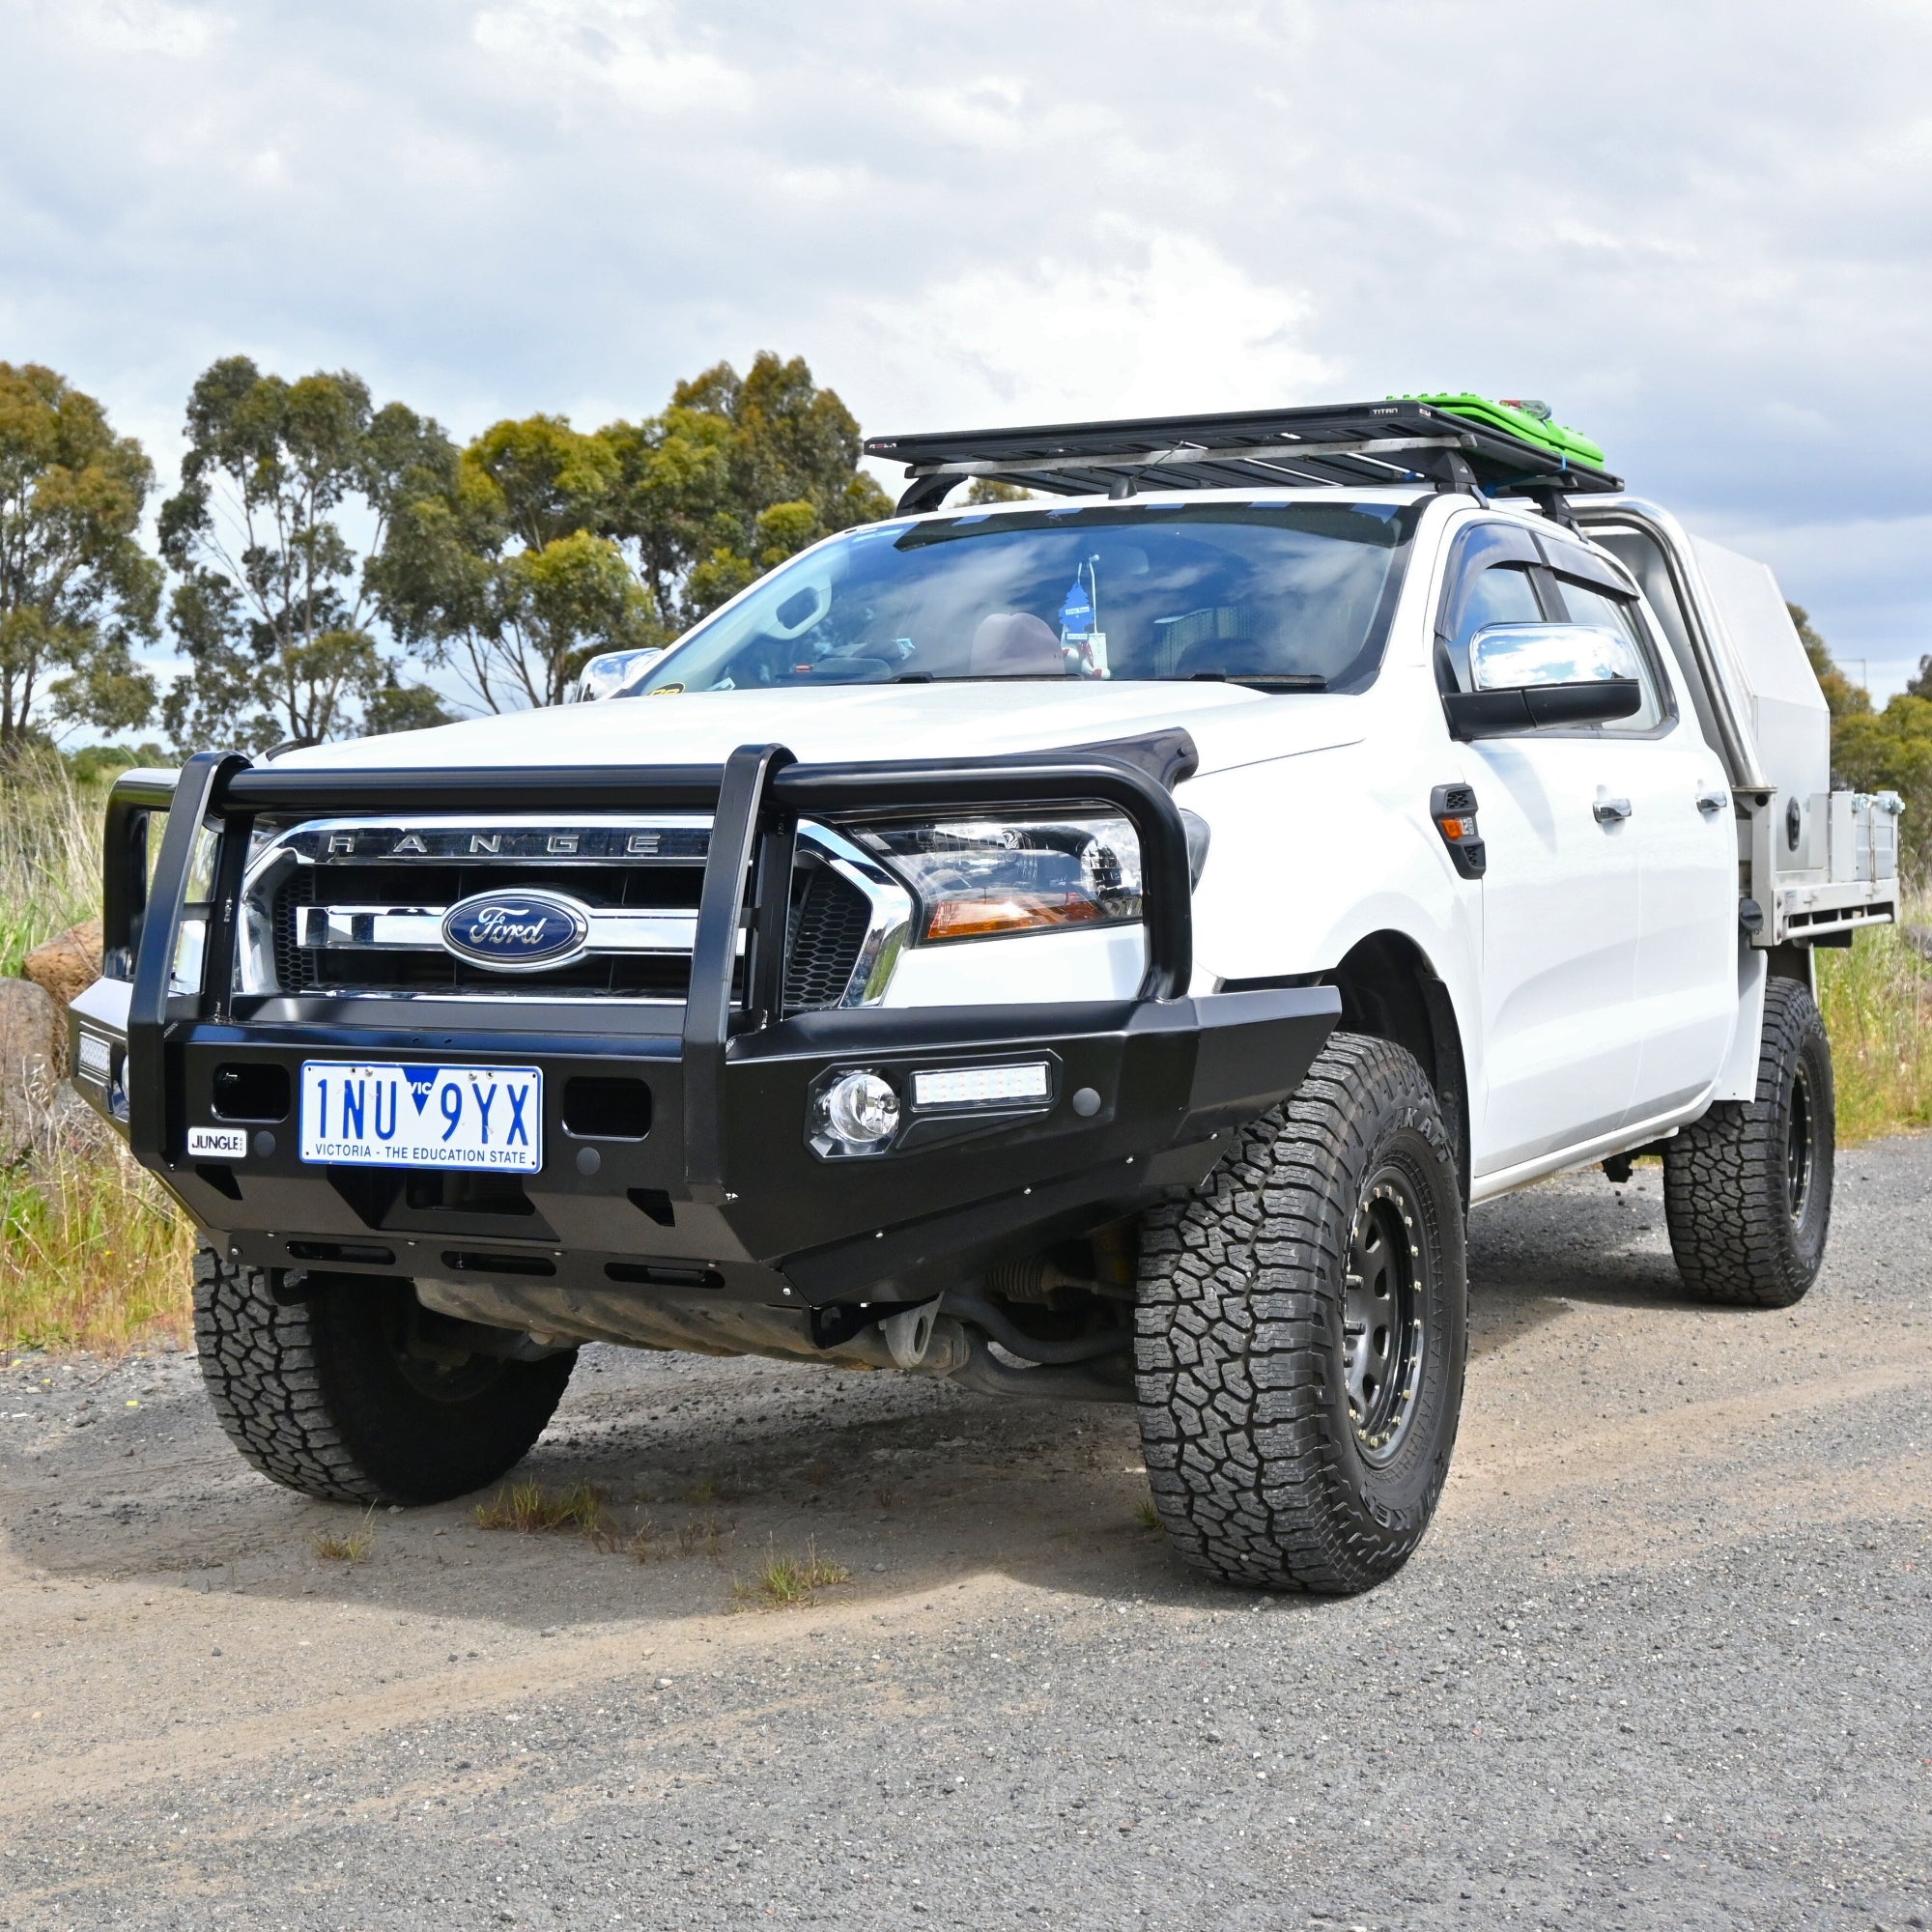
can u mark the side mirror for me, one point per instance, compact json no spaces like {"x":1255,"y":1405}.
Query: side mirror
{"x":607,"y":674}
{"x":1539,"y":677}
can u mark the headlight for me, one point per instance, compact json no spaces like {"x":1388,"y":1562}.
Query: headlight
{"x":977,"y":878}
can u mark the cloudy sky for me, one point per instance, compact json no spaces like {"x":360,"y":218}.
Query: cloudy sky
{"x":1702,"y":230}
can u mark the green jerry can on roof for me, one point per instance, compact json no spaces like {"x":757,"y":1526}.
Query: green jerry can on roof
{"x":1519,"y":417}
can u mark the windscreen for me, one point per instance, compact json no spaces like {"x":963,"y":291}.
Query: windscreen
{"x":1282,"y":596}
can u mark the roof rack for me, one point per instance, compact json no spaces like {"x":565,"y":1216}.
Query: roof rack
{"x":1346,"y":444}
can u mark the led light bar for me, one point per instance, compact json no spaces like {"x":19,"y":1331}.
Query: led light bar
{"x":969,"y":1085}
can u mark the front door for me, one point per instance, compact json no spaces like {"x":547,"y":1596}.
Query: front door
{"x":1560,"y":920}
{"x":1561,"y":1028}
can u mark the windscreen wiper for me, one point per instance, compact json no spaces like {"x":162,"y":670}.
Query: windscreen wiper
{"x":1262,"y":680}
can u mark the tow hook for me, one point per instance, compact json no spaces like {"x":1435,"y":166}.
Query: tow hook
{"x":920,"y":1338}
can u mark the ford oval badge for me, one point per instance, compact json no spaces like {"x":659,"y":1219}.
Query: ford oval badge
{"x":516,"y":932}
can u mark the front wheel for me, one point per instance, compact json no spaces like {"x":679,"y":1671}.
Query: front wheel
{"x":1302,"y":1330}
{"x":359,"y":1394}
{"x":1748,"y":1189}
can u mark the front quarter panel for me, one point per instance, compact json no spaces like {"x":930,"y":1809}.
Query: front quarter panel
{"x":1311,"y":854}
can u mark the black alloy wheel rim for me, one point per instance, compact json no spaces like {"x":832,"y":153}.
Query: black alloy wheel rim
{"x":1382,"y":1326}
{"x":430,"y":1363}
{"x":1799,"y":1133}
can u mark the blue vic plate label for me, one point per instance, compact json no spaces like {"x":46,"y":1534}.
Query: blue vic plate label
{"x":391,"y":1115}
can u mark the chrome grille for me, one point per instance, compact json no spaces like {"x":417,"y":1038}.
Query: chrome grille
{"x":349,"y":907}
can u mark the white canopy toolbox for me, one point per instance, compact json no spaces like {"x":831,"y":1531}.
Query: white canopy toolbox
{"x":1814,"y":863}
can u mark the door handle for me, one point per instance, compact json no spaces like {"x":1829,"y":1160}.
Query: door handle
{"x":1709,"y":802}
{"x":1612,"y":810}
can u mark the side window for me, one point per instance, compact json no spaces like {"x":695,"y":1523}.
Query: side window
{"x":1501,"y":594}
{"x":1496,"y":593}
{"x":1587,"y":604}
{"x":1490,"y":581}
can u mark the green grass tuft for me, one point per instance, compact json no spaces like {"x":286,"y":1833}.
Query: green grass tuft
{"x":532,"y":1510}
{"x":785,"y":1581}
{"x":355,"y":1547}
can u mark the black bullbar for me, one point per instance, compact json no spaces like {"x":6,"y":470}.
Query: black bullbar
{"x":1008,"y":1126}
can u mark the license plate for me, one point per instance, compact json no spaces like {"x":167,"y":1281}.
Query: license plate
{"x":390,"y":1115}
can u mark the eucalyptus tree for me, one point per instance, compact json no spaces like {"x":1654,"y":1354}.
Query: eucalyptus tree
{"x":545,"y":544}
{"x":502,"y":571}
{"x":738,"y":474}
{"x":274,"y":608}
{"x":78,"y":591}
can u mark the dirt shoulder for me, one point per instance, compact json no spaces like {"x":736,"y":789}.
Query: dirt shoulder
{"x":1664,"y":1659}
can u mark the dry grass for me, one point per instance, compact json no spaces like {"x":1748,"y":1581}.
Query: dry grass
{"x":531,"y":1509}
{"x":708,"y":1535}
{"x":354,"y":1548}
{"x":49,"y":854}
{"x":92,"y":1254}
{"x":785,"y":1581}
{"x":650,"y":1543}
{"x":1876,"y":1002}
{"x":646,"y":1543}
{"x":528,"y":1509}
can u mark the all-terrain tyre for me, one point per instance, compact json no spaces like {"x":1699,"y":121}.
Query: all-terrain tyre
{"x":1301,"y":1333}
{"x":1748,"y":1189}
{"x":359,"y":1394}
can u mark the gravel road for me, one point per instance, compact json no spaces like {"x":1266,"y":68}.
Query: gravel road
{"x":1665,"y":1660}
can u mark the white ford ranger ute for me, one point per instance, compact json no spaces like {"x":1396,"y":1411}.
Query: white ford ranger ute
{"x":1095,"y":946}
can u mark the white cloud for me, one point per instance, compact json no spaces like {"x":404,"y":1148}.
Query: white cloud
{"x":141,"y":26}
{"x":1111,"y":323}
{"x":1703,"y":234}
{"x":631,"y":50}
{"x":1863,"y":579}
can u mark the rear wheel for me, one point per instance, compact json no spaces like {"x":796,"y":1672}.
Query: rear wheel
{"x":358,"y":1393}
{"x":1748,"y":1189}
{"x":1301,"y":1334}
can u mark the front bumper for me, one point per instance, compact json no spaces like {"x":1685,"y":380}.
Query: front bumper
{"x":721,"y":1192}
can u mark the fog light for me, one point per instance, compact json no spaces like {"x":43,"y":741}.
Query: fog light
{"x":856,"y":1113}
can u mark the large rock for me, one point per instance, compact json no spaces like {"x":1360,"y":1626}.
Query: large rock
{"x":68,"y":964}
{"x":33,"y":1057}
